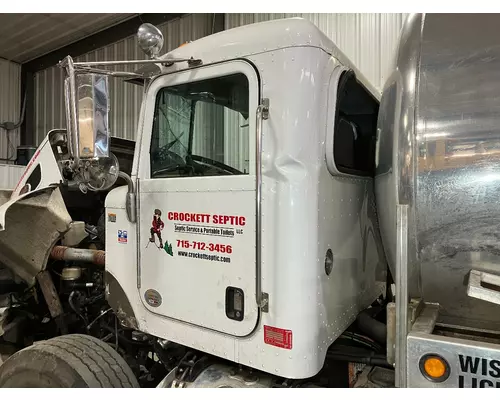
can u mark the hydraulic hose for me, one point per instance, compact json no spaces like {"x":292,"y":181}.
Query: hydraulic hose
{"x":375,"y":360}
{"x":371,"y":327}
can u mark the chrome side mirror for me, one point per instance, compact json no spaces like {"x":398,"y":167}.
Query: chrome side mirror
{"x":87,"y":112}
{"x":93,"y":111}
{"x":90,"y":101}
{"x":150,"y":40}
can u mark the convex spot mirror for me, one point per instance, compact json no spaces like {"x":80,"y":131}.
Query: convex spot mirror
{"x":150,"y":40}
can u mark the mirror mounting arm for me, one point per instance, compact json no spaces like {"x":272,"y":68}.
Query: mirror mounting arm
{"x":130,"y":203}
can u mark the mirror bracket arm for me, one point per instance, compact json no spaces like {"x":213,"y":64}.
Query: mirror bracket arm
{"x":130,"y":203}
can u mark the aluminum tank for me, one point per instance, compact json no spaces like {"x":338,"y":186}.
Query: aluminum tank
{"x":438,"y":151}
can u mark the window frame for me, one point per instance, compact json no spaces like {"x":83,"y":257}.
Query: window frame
{"x":194,"y":75}
{"x":332,"y":116}
{"x":332,"y":122}
{"x":193,"y":127}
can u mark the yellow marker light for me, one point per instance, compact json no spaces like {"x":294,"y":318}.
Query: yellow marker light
{"x":434,"y":367}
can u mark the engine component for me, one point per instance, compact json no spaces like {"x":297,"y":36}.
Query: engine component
{"x":71,"y":273}
{"x":75,"y":235}
{"x":4,"y":312}
{"x":97,"y":257}
{"x":92,"y":231}
{"x":138,"y":336}
{"x":13,"y":329}
{"x":226,"y":376}
{"x":101,"y":228}
{"x":102,"y":314}
{"x":52,"y":298}
{"x":80,"y":285}
{"x":8,"y":282}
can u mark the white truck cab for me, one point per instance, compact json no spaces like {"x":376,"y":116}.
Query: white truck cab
{"x":269,"y":247}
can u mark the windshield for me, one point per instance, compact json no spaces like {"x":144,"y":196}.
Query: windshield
{"x":201,"y":129}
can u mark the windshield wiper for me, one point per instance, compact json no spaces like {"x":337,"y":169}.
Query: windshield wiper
{"x":186,"y":170}
{"x":227,"y":169}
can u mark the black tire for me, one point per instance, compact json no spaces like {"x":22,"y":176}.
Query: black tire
{"x":69,"y":361}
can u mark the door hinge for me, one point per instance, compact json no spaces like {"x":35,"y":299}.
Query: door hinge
{"x":265,"y":108}
{"x":264,"y":302}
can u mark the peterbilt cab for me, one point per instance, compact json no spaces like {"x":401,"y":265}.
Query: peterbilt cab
{"x":253,"y":130}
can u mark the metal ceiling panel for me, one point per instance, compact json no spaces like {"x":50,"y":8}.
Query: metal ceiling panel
{"x":24,"y":37}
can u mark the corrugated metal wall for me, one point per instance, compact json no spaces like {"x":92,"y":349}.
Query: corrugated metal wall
{"x":369,"y":40}
{"x":125,"y":97}
{"x":10,"y":107}
{"x":10,"y":175}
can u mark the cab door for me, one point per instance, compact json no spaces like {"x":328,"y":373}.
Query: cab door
{"x":197,"y":198}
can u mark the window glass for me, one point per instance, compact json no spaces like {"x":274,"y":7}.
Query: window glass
{"x":201,"y":129}
{"x":35,"y":178}
{"x":355,"y":128}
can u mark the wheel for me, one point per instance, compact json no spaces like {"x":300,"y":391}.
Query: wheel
{"x":69,"y":361}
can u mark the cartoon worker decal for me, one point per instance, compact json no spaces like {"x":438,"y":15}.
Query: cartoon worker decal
{"x":156,"y":227}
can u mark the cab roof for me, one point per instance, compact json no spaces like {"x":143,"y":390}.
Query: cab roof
{"x":262,"y":37}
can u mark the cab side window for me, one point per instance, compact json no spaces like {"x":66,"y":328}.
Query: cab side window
{"x":355,"y":128}
{"x":35,"y":178}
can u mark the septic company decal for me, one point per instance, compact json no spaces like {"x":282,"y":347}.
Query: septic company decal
{"x":225,"y":227}
{"x":229,"y":225}
{"x":215,"y":219}
{"x":157,"y":226}
{"x":477,"y":372}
